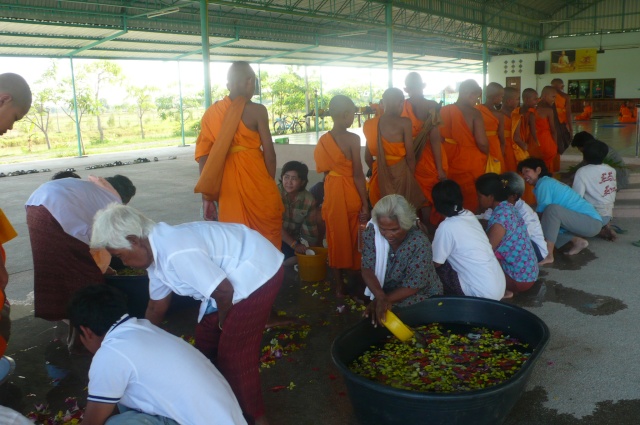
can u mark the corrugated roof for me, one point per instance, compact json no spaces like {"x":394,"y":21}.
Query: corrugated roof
{"x":426,"y":33}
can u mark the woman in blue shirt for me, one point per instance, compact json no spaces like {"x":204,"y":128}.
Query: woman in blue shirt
{"x":565,"y":213}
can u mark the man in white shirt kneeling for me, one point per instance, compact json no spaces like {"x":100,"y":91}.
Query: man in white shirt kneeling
{"x":153,"y":377}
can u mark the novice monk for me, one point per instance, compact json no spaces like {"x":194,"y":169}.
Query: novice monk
{"x":529,"y":101}
{"x":515,"y":149}
{"x":431,"y":163}
{"x":15,"y":100}
{"x":543,"y":130}
{"x":345,"y":203}
{"x":494,"y":126}
{"x":586,"y":113}
{"x":466,"y":144}
{"x":389,"y":140}
{"x":234,"y":169}
{"x":562,"y":104}
{"x":627,"y":112}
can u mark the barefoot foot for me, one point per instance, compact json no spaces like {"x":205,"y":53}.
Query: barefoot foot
{"x":548,"y":260}
{"x":578,"y":245}
{"x":507,"y":294}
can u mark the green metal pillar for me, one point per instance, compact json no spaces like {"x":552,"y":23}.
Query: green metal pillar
{"x":317,"y":111}
{"x":181,"y":104}
{"x":370,"y":86}
{"x":321,"y":98}
{"x":75,"y":109}
{"x":206,"y":58}
{"x":260,"y":83}
{"x":485,"y":56}
{"x":389,"y":24}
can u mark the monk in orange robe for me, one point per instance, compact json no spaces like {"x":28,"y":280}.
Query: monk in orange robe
{"x":465,"y":141}
{"x":345,"y":205}
{"x":237,"y":160}
{"x":628,"y":113}
{"x":494,"y":125}
{"x":529,"y":102}
{"x":393,"y":133}
{"x":586,"y":113}
{"x":562,"y":104}
{"x":513,"y":142}
{"x":431,"y":162}
{"x":543,"y":130}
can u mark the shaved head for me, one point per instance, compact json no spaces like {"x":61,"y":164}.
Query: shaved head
{"x":17,"y":88}
{"x":392,"y":95}
{"x":547,"y":90}
{"x":413,"y":81}
{"x":339,"y":105}
{"x":529,"y":93}
{"x":557,"y":81}
{"x":239,"y":72}
{"x":510,"y":93}
{"x":469,"y":87}
{"x":493,"y":90}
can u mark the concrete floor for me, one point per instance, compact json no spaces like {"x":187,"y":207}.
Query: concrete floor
{"x":587,"y":375}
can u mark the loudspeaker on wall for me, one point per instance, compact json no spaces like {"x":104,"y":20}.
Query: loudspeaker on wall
{"x":539,"y":67}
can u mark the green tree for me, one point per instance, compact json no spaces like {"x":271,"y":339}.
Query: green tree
{"x":98,"y":75}
{"x":85,"y":102}
{"x":142,"y":101}
{"x":45,"y":94}
{"x":287,"y":93}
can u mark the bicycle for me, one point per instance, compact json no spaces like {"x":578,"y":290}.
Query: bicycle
{"x":283,"y":124}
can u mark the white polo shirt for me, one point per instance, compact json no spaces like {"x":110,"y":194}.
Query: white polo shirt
{"x":534,"y":228}
{"x":192,"y":259}
{"x":152,"y":371}
{"x":73,"y":203}
{"x":462,"y":241}
{"x":597,"y":185}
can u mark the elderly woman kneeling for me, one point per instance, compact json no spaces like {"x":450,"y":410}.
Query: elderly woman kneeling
{"x":233,"y":270}
{"x":396,"y":259}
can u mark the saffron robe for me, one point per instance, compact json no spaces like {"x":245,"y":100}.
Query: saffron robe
{"x":561,"y":107}
{"x":394,"y":153}
{"x":466,"y":162}
{"x":627,"y":114}
{"x":426,"y":171}
{"x":341,"y":205}
{"x":491,"y":124}
{"x":248,"y":194}
{"x":548,"y":146}
{"x":586,"y":114}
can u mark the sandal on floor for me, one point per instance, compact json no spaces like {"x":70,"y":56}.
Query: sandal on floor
{"x":618,"y":229}
{"x":637,"y":243}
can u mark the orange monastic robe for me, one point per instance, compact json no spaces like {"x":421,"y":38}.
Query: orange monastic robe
{"x":394,"y":153}
{"x":466,"y":161}
{"x":548,"y":146}
{"x":426,"y":171}
{"x":491,"y":124}
{"x":341,"y":206}
{"x":627,"y":114}
{"x":248,"y":194}
{"x":561,"y":107}
{"x":586,"y":114}
{"x":510,"y":162}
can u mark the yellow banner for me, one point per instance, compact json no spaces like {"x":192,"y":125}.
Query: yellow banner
{"x":580,"y":60}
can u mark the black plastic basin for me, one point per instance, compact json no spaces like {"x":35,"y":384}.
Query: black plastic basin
{"x":377,"y":404}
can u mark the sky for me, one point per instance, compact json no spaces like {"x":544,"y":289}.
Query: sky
{"x":164,"y":74}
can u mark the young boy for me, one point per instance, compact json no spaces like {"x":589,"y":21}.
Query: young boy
{"x":299,"y":218}
{"x":596,"y":183}
{"x":543,"y":128}
{"x":392,"y":132}
{"x":345,"y":204}
{"x":152,"y":376}
{"x":494,"y":124}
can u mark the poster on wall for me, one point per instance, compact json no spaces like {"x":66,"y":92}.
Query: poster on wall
{"x":580,"y":60}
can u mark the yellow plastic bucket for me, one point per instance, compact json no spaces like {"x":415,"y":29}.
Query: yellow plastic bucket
{"x":397,"y":327}
{"x":313,"y":268}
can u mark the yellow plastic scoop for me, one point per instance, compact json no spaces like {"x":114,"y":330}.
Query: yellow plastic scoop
{"x":396,"y":327}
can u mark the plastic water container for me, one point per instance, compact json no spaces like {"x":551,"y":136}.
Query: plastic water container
{"x":313,"y":268}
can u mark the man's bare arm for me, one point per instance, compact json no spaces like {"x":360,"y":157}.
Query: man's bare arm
{"x":358,"y":174}
{"x":479,"y":132}
{"x":97,"y":413}
{"x":568,"y":114}
{"x":267,"y":142}
{"x":501,"y":131}
{"x":532,"y":128}
{"x":518,"y":139}
{"x":436,"y":148}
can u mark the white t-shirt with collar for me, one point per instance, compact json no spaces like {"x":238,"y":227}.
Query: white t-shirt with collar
{"x":192,"y":259}
{"x":152,"y":371}
{"x":462,"y":241}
